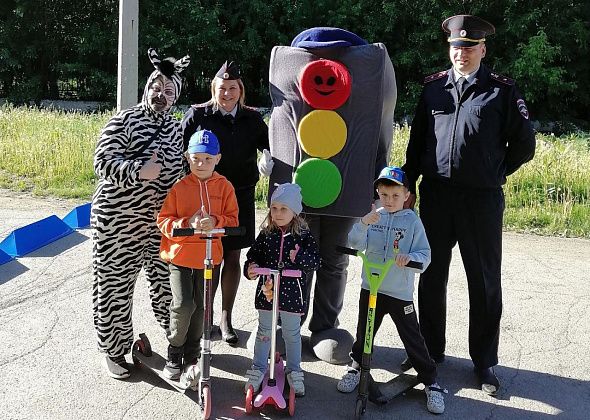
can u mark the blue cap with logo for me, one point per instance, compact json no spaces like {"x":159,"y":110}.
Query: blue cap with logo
{"x":393,"y":174}
{"x":203,"y":141}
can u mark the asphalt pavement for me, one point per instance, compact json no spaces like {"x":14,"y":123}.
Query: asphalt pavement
{"x":50,"y":369}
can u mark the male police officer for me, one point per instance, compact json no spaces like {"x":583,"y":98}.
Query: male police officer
{"x":471,"y":130}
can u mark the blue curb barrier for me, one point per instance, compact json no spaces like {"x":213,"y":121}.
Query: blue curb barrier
{"x":34,"y":236}
{"x":4,"y":257}
{"x":79,"y":217}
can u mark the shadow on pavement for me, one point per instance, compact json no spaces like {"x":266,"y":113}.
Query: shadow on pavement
{"x":456,"y":374}
{"x":11,"y":270}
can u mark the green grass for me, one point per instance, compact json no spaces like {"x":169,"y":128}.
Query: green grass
{"x":48,"y":152}
{"x":51,"y":152}
{"x":550,"y":194}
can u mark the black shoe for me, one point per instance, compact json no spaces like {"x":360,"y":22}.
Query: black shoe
{"x":407,"y":364}
{"x":189,"y":361}
{"x":488,"y":380}
{"x":438,"y":358}
{"x":375,"y":394}
{"x":173,"y":367}
{"x":230,"y":337}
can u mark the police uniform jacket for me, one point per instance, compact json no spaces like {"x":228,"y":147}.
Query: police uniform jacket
{"x":239,"y":138}
{"x":273,"y":250}
{"x":474,"y":140}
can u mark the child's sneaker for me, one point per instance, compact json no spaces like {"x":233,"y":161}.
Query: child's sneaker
{"x":173,"y":367}
{"x":295,"y":379}
{"x":254,"y":377}
{"x":190,"y":376}
{"x":349,"y":380}
{"x":116,"y":367}
{"x":435,"y":401}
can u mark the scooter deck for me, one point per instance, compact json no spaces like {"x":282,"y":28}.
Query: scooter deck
{"x":156,"y":364}
{"x":273,"y":394}
{"x":400,"y":384}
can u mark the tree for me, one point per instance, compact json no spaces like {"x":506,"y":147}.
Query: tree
{"x":44,"y":45}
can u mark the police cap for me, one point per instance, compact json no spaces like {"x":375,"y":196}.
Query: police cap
{"x":467,"y":30}
{"x":229,"y":71}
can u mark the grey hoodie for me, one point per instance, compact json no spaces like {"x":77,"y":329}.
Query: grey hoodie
{"x":401,"y":230}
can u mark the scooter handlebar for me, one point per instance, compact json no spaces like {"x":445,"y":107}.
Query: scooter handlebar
{"x":262,"y":271}
{"x":235,"y":231}
{"x":291,"y":273}
{"x":226,"y":231}
{"x":415,"y":264}
{"x":284,"y":273}
{"x":344,"y":250}
{"x":183,"y":232}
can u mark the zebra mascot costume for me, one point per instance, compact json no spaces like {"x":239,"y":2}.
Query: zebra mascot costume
{"x":137,"y":160}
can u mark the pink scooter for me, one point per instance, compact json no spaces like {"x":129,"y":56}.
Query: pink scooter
{"x":273,"y":384}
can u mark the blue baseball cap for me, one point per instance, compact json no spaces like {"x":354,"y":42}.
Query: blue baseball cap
{"x":203,"y":141}
{"x":393,"y":174}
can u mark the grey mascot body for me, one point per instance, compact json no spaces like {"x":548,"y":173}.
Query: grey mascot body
{"x":330,"y":131}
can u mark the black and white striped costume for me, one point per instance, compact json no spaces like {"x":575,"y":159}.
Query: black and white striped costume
{"x":124,"y":209}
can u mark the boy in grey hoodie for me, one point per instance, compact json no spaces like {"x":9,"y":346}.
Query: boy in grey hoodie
{"x":392,"y":232}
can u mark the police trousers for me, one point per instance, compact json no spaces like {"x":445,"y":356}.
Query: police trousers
{"x":473,"y":219}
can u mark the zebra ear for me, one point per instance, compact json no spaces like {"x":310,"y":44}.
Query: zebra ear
{"x":166,"y":67}
{"x":182,"y":64}
{"x":154,"y":58}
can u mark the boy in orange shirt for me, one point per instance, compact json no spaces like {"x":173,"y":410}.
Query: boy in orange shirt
{"x":202,"y":200}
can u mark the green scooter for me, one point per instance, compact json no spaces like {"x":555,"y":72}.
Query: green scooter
{"x":375,"y":274}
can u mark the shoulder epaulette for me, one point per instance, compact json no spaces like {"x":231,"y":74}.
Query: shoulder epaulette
{"x":249,"y":108}
{"x":258,"y":111}
{"x":203,"y":105}
{"x":202,"y":109}
{"x":502,"y":79}
{"x":435,"y":76}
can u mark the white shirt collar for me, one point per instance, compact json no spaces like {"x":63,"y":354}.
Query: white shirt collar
{"x":469,"y":77}
{"x":233,"y":112}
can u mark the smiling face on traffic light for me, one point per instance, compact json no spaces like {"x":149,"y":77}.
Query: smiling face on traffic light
{"x":325,"y":84}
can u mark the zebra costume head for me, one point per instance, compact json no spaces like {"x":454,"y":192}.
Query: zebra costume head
{"x":170,"y":70}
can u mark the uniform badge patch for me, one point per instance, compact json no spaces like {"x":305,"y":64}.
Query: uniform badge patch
{"x":522,"y":109}
{"x":409,"y":309}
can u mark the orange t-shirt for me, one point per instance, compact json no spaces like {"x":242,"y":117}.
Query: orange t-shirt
{"x":184,"y":199}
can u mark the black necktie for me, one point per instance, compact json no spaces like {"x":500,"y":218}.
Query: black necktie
{"x":461,"y":85}
{"x":229,"y":118}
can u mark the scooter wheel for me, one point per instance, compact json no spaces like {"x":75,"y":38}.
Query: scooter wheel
{"x":147,"y":347}
{"x":291,"y":402}
{"x":139,"y":347}
{"x":359,"y":410}
{"x":206,"y":398}
{"x":249,"y":397}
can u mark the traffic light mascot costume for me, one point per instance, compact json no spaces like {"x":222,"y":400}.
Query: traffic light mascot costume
{"x":330,"y":132}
